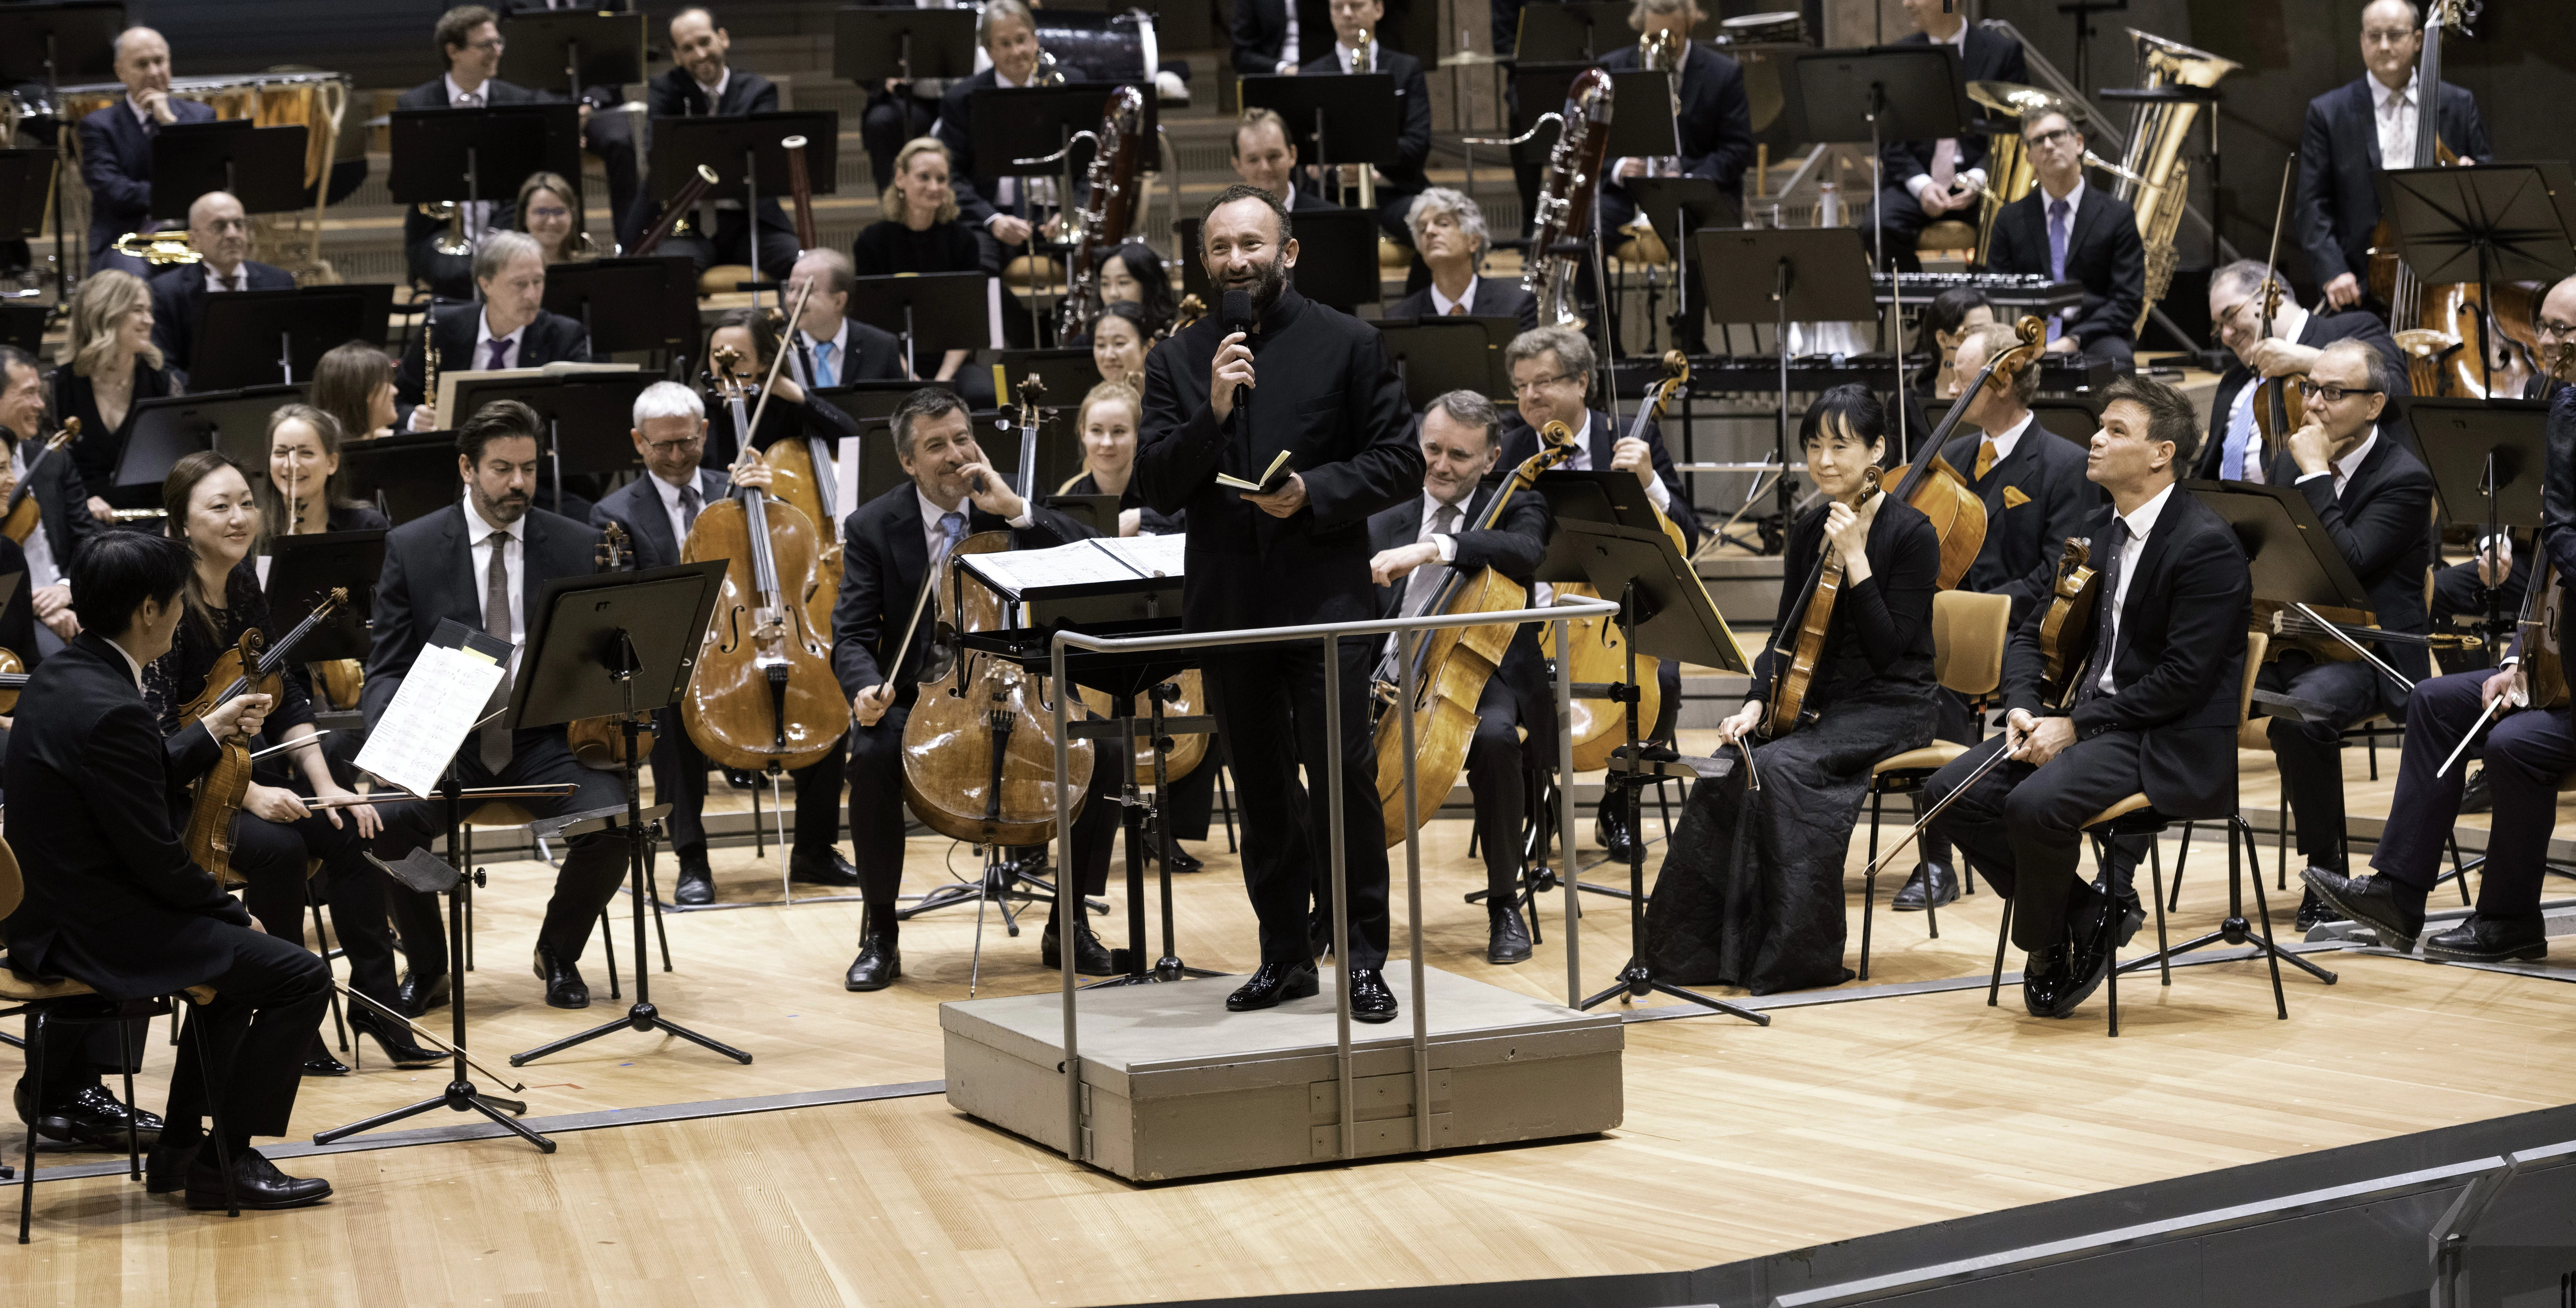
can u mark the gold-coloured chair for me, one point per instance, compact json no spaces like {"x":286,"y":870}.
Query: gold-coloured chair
{"x":1968,"y":635}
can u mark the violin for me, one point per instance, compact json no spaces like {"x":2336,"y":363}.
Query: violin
{"x":764,"y":694}
{"x":1805,"y":654}
{"x":2066,"y":630}
{"x":24,"y":512}
{"x":600,"y":742}
{"x":2280,"y":408}
{"x":251,"y":667}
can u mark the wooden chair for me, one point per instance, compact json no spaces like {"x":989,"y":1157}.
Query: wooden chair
{"x":50,"y":1001}
{"x":723,"y":278}
{"x":1968,"y":634}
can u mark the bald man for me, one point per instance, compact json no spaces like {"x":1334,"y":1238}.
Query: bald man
{"x":221,"y":232}
{"x":116,"y":146}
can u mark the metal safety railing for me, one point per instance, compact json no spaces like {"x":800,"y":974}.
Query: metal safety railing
{"x":1409,"y":632}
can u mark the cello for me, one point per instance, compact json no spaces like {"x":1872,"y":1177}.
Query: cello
{"x":764,"y":694}
{"x":24,"y":511}
{"x":251,"y":667}
{"x":794,"y":464}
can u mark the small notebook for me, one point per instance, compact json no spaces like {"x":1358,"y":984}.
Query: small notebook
{"x":1270,"y":481}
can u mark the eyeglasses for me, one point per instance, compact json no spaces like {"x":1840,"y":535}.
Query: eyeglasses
{"x":666,"y":448}
{"x":2053,"y":137}
{"x":2312,"y":392}
{"x":1525,"y":387}
{"x":2548,"y":330}
{"x":548,"y":211}
{"x":494,"y":45}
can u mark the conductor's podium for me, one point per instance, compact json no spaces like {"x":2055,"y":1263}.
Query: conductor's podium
{"x":1175,"y":1086}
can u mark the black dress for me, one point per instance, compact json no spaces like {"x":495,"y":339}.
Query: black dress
{"x":94,"y":455}
{"x":1148,"y":522}
{"x":888,"y":248}
{"x":1751,"y":891}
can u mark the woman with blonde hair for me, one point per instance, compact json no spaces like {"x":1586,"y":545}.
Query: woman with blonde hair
{"x":920,"y":233}
{"x":305,"y":493}
{"x":110,"y":363}
{"x":550,"y":210}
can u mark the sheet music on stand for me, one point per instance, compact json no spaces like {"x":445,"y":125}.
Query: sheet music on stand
{"x":1090,"y":561}
{"x":435,"y":708}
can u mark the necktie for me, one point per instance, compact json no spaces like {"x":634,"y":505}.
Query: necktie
{"x":824,"y":374}
{"x":1419,"y":587}
{"x":151,"y":126}
{"x":497,"y":623}
{"x":2106,"y":641}
{"x":1458,"y":310}
{"x":688,"y":508}
{"x":1985,"y":457}
{"x":1945,"y":164}
{"x":2058,"y":215}
{"x":500,"y":356}
{"x":2240,"y":436}
{"x":952,"y":529}
{"x":232,"y":281}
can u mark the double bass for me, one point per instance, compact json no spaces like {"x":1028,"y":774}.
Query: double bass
{"x":251,"y":667}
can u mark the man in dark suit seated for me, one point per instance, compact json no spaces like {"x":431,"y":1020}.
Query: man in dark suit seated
{"x":1449,"y":233}
{"x":889,"y":545}
{"x":2374,"y":499}
{"x":2460,"y":591}
{"x":1929,"y":181}
{"x":116,"y":147}
{"x":1397,"y":183}
{"x":506,"y":327}
{"x":996,"y":207}
{"x":2234,"y":448}
{"x":221,"y":232}
{"x":63,"y":520}
{"x":1268,"y":37}
{"x":833,"y":348}
{"x":2070,"y":231}
{"x":607,"y":135}
{"x":700,"y":84}
{"x":2036,"y":496}
{"x":469,"y":38}
{"x":114,"y":901}
{"x":1714,"y":119}
{"x":483,"y":561}
{"x":2153,"y":709}
{"x":1264,"y":156}
{"x":2360,"y":128}
{"x":1421,"y":542}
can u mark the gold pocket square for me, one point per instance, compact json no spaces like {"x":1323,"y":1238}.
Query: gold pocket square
{"x":2013,"y":498}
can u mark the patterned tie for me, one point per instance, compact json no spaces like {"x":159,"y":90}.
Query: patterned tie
{"x":2234,"y":461}
{"x":232,"y":281}
{"x":497,"y":624}
{"x":688,"y":508}
{"x":1985,"y":457}
{"x":2058,"y":215}
{"x":1458,"y":310}
{"x":952,"y":528}
{"x":500,"y":357}
{"x":2106,"y":642}
{"x":1419,"y":587}
{"x":823,"y":371}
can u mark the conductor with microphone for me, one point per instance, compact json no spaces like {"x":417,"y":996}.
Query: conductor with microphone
{"x":1275,"y":373}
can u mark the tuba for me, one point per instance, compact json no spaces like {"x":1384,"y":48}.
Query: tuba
{"x":2009,"y":176}
{"x":2154,"y":178}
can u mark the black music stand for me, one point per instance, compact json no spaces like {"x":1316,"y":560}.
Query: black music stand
{"x":1689,"y":203}
{"x":2488,"y":224}
{"x":1818,"y":274}
{"x":25,"y":177}
{"x":618,"y":644}
{"x":304,"y":569}
{"x":1580,"y":32}
{"x":407,"y":475}
{"x":70,"y":40}
{"x":870,"y":401}
{"x":261,"y":338}
{"x":263,"y":167}
{"x":469,"y":155}
{"x":587,"y":415}
{"x":1336,"y":257}
{"x":1098,"y":512}
{"x":1068,"y":373}
{"x":745,"y":154}
{"x":572,"y":50}
{"x":1435,"y":356}
{"x":646,"y":304}
{"x":23,"y":325}
{"x":2488,"y":459}
{"x":1349,"y":119}
{"x":937,"y":311}
{"x":171,"y":427}
{"x":871,"y":44}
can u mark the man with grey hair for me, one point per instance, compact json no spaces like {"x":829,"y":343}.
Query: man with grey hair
{"x":1449,"y":233}
{"x":2233,"y":450}
{"x":833,"y":348}
{"x":116,"y":146}
{"x":1420,"y":544}
{"x":220,"y":231}
{"x":1008,"y":31}
{"x":506,"y":326}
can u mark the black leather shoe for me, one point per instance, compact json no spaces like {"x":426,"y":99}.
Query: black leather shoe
{"x":1944,"y":883}
{"x":2095,"y":929}
{"x":1273,"y":982}
{"x":1507,"y":938}
{"x":564,"y":986}
{"x":416,"y":994}
{"x":2371,"y":901}
{"x":93,"y":1117}
{"x":2133,"y":914}
{"x":697,"y":883}
{"x":829,"y":869}
{"x":256,"y":1184}
{"x":165,"y":1168}
{"x":2475,"y":797}
{"x":2314,"y":911}
{"x":880,"y":960}
{"x":1090,"y":957}
{"x":1371,"y":1001}
{"x":2490,"y":940}
{"x":394,"y":1039}
{"x":2044,"y":977}
{"x":1610,"y":828}
{"x":1184,"y":862}
{"x":321,"y":1061}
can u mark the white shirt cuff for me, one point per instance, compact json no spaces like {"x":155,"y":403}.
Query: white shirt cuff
{"x":1028,"y":516}
{"x":1918,"y":184}
{"x":2311,"y":476}
{"x":1660,"y":494}
{"x":1447,"y":545}
{"x":1976,"y":178}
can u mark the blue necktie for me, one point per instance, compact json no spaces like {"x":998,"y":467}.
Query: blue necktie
{"x":2057,"y":224}
{"x":953,"y":527}
{"x":823,"y":372}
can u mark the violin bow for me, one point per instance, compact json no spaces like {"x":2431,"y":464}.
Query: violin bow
{"x":929,"y":583}
{"x":1992,"y":762}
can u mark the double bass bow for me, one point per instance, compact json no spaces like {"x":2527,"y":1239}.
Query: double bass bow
{"x":251,"y":667}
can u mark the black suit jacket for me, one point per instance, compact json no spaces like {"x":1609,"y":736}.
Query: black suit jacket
{"x":2103,"y":251}
{"x":113,"y":899}
{"x":429,"y":576}
{"x":2180,"y":666}
{"x":676,"y":94}
{"x":883,"y":558}
{"x":1519,"y":443}
{"x":2321,"y":329}
{"x":1512,"y":547}
{"x":1260,"y":32}
{"x":637,"y":507}
{"x":1716,"y":119}
{"x":116,"y":162}
{"x":432,"y":94}
{"x":2558,"y":496}
{"x":871,"y":354}
{"x":62,"y":506}
{"x":2377,"y":524}
{"x":956,"y":130}
{"x":1331,"y":399}
{"x":1493,"y":297}
{"x":549,"y":338}
{"x":2338,"y":202}
{"x":2036,"y":497}
{"x":179,"y":294}
{"x":1412,"y":110}
{"x":1990,"y":56}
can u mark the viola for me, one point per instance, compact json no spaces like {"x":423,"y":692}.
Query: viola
{"x":600,"y":742}
{"x":1805,"y":654}
{"x":2066,"y":630}
{"x":251,"y":667}
{"x":2280,"y":408}
{"x":24,"y":511}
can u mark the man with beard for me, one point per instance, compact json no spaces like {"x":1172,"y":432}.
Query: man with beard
{"x":1298,"y":554}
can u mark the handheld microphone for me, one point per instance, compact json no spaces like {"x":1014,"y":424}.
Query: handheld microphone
{"x":1235,"y":312}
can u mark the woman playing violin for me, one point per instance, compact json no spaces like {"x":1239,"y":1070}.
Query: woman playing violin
{"x":1751,"y":892}
{"x":211,"y":507}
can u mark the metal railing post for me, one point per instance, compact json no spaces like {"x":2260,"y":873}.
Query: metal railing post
{"x":1066,"y":892}
{"x":1565,"y":815}
{"x":1407,"y":643}
{"x":1341,"y":890}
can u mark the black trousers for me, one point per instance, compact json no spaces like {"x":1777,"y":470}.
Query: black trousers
{"x":876,"y":812}
{"x":2458,"y":595}
{"x":611,"y":137}
{"x":680,"y":779}
{"x":1270,"y":703}
{"x":2018,"y":824}
{"x":2526,"y":753}
{"x":732,"y":244}
{"x":591,"y":869}
{"x":1500,"y":765}
{"x":2311,"y":760}
{"x":1900,"y":221}
{"x":1192,"y":802}
{"x":272,"y":858}
{"x":266,"y":1007}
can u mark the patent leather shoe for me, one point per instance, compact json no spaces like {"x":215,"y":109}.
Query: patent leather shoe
{"x":880,"y":960}
{"x":2133,"y":914}
{"x":93,"y":1117}
{"x":1183,"y":861}
{"x":1272,"y":982}
{"x":824,"y":869}
{"x":2475,"y":796}
{"x":2490,"y":940}
{"x":564,"y":986}
{"x":1371,"y":1000}
{"x":2096,"y":931}
{"x":416,"y":994}
{"x":2044,"y":977}
{"x":394,"y":1039}
{"x":1610,"y":828}
{"x":697,"y":883}
{"x":1944,"y":885}
{"x":2314,"y":911}
{"x":322,"y":1062}
{"x":256,"y":1184}
{"x":1090,"y":957}
{"x":2372,"y":901}
{"x":1507,"y":938}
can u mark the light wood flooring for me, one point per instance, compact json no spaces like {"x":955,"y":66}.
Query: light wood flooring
{"x":1837,"y":1121}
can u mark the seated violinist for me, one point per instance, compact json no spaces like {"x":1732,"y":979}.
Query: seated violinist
{"x":1751,"y":891}
{"x":1420,"y":543}
{"x":2154,"y":703}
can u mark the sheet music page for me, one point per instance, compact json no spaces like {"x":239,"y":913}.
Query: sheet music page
{"x":845,"y":479}
{"x":1148,"y":555}
{"x":1022,"y":571}
{"x":433,"y":710}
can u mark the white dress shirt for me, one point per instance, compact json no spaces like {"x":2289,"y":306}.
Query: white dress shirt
{"x":2141,"y":520}
{"x":1656,"y":491}
{"x":670,"y":494}
{"x":840,"y":358}
{"x":2396,"y":112}
{"x":1288,"y":43}
{"x":2342,"y":469}
{"x":215,"y":280}
{"x":1443,"y":304}
{"x":142,"y":116}
{"x":515,"y":558}
{"x":2005,"y":441}
{"x":936,"y":539}
{"x":1921,"y":182}
{"x":715,"y":93}
{"x":483,"y":339}
{"x":130,"y":664}
{"x":1444,"y":542}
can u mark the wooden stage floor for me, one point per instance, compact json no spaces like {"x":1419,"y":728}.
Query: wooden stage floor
{"x":1839,"y":1120}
